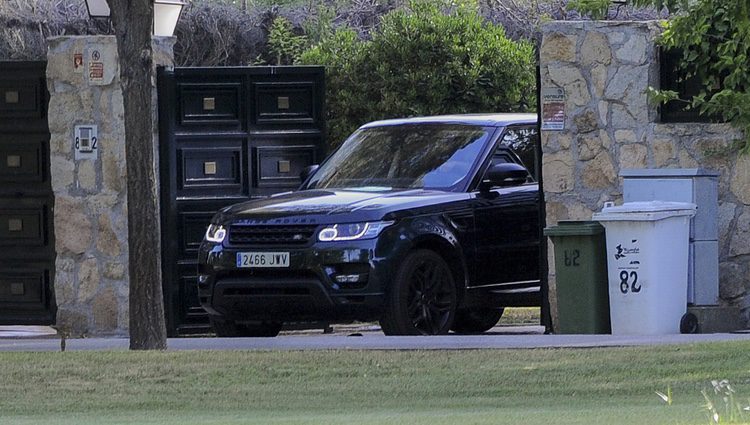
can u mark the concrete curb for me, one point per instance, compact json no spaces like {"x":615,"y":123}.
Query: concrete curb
{"x":513,"y":337}
{"x":27,"y":332}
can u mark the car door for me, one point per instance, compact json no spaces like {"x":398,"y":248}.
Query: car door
{"x":507,"y":222}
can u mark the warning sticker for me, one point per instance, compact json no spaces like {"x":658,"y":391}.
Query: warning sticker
{"x":96,"y":68}
{"x":553,"y":108}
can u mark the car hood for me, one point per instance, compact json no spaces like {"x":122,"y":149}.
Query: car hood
{"x":340,"y":205}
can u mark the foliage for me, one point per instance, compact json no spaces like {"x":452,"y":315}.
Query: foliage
{"x":235,"y":32}
{"x":629,"y":10}
{"x":658,"y":97}
{"x":671,"y":5}
{"x":597,"y":9}
{"x":721,"y":405}
{"x":283,"y":44}
{"x":667,"y":398}
{"x":423,"y":61}
{"x":211,"y":34}
{"x":346,"y":98}
{"x":320,"y":25}
{"x":25,"y":25}
{"x":714,"y":38}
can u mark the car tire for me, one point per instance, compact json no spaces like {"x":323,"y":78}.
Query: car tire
{"x":422,"y":299}
{"x":476,"y":321}
{"x":229,"y":329}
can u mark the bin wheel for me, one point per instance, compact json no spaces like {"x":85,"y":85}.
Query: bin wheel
{"x":689,"y":324}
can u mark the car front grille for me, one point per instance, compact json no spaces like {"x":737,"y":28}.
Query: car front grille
{"x":260,"y":235}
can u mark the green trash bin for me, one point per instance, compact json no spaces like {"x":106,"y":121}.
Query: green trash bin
{"x":581,"y":275}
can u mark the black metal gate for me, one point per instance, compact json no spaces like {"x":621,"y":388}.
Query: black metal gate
{"x":27,"y":249}
{"x":227,"y":135}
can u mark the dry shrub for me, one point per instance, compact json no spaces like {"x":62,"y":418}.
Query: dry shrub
{"x":212,"y":32}
{"x":25,"y":25}
{"x":522,"y":19}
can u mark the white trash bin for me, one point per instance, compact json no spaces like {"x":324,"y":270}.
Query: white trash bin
{"x":647,"y":259}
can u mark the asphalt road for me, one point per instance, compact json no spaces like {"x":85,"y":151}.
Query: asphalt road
{"x":502,"y":337}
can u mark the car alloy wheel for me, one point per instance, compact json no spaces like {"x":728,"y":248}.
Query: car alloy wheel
{"x":423,"y":299}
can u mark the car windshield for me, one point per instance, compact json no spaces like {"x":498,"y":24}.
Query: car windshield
{"x":434,"y":156}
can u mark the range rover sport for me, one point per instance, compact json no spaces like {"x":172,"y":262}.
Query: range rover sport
{"x":426,"y":225}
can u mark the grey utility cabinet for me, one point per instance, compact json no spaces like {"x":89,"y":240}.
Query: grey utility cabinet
{"x":700,"y":187}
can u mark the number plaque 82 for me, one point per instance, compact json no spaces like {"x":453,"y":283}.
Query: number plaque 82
{"x":629,"y":282}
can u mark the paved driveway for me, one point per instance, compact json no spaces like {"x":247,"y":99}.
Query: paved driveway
{"x":501,"y":337}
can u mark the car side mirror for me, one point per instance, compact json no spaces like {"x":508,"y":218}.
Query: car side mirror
{"x":505,"y":174}
{"x":307,"y":172}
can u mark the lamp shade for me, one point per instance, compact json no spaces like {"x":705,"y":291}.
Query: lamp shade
{"x":97,"y":8}
{"x":166,"y":15}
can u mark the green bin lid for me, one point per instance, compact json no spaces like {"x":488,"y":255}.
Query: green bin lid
{"x":574,"y":228}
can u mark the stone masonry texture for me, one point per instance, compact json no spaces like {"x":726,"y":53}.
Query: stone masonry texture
{"x":605,"y":69}
{"x":90,"y":214}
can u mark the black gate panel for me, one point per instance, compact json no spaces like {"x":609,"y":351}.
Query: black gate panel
{"x":27,"y":252}
{"x":227,"y":135}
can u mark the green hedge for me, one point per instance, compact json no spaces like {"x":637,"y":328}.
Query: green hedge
{"x":423,"y":60}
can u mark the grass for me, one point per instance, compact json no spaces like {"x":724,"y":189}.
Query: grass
{"x":520,"y":316}
{"x":560,"y":386}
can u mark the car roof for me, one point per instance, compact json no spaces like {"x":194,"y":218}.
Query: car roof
{"x":485,"y":120}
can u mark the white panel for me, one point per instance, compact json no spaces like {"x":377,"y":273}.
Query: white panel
{"x":705,"y":272}
{"x":655,"y":189}
{"x":706,"y":220}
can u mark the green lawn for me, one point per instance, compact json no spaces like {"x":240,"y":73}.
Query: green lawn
{"x":521,"y":316}
{"x":550,"y":386}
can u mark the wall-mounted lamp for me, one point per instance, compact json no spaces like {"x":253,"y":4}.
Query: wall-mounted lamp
{"x":97,"y":8}
{"x":166,"y":14}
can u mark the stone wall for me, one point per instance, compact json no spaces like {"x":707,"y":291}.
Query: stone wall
{"x":90,"y":213}
{"x":605,"y":69}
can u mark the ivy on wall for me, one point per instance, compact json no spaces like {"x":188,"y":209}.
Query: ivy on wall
{"x":714,"y":37}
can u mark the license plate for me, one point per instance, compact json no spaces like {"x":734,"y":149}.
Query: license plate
{"x":262,"y":259}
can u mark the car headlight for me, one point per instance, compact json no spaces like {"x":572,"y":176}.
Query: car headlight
{"x":216,"y":233}
{"x":352,"y":231}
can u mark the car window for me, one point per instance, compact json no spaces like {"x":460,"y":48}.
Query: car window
{"x":431,"y":156}
{"x":523,"y":141}
{"x":502,"y":156}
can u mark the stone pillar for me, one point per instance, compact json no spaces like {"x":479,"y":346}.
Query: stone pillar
{"x":605,"y":69}
{"x":90,"y":213}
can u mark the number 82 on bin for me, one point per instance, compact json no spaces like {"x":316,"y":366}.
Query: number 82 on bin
{"x":629,"y":282}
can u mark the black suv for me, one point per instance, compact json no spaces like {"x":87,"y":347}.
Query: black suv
{"x":425,"y":224}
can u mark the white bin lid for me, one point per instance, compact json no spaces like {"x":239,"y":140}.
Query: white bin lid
{"x":645,"y":211}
